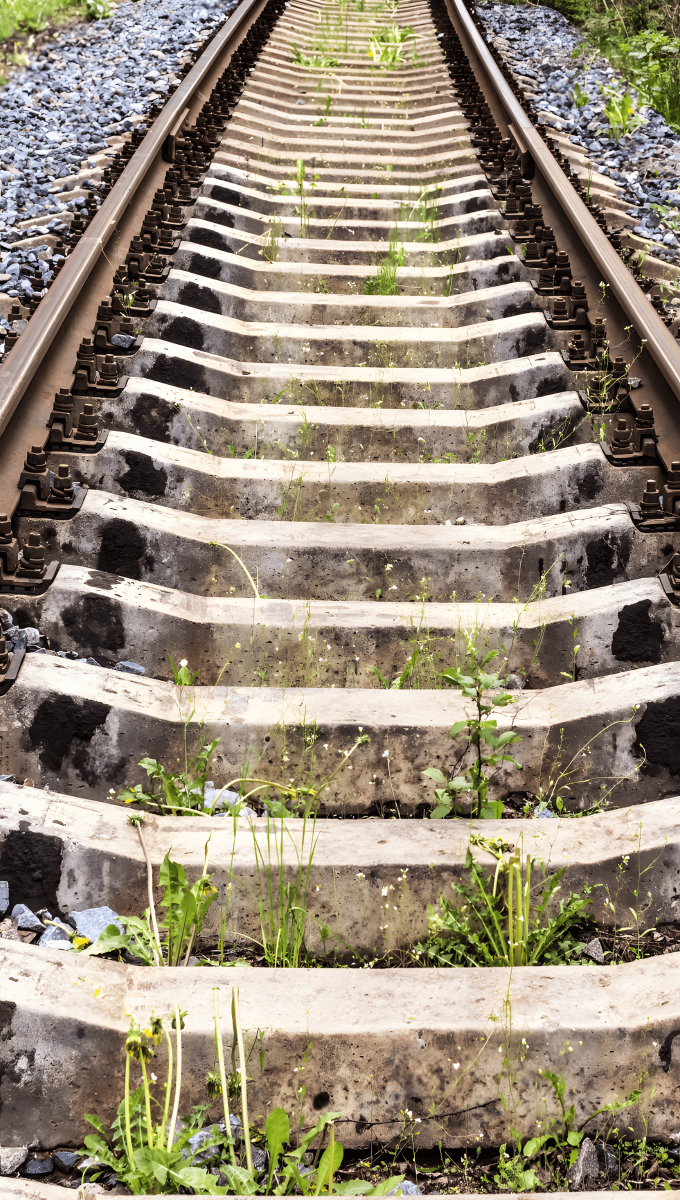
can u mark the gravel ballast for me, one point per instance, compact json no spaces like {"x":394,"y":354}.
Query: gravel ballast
{"x":538,"y":44}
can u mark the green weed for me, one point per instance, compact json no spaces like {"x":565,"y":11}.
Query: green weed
{"x":503,"y":920}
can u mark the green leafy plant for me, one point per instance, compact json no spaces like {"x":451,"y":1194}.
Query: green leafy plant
{"x":562,"y":1135}
{"x":385,"y":281}
{"x":386,"y":46}
{"x":318,"y":59}
{"x":620,"y":112}
{"x":512,"y":1174}
{"x":579,"y":97}
{"x":147,"y":1157}
{"x":478,"y":731}
{"x":174,"y":792}
{"x":170,"y":941}
{"x":503,"y":919}
{"x":96,"y":10}
{"x":155,"y":1157}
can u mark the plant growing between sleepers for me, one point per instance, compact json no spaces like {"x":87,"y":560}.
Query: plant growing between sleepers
{"x":157,"y":1158}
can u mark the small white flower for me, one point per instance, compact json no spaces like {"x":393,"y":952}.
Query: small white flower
{"x":456,"y":1066}
{"x":360,"y":875}
{"x":154,"y":1077}
{"x":384,"y":891}
{"x":183,"y":662}
{"x":386,"y":754}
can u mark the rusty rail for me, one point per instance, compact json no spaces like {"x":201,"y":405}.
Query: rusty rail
{"x":19,"y":368}
{"x":659,"y":342}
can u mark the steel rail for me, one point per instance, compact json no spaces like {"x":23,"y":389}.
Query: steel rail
{"x":19,"y":367}
{"x":658,"y":340}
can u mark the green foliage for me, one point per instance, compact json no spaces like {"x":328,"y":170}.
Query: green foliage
{"x":281,"y":901}
{"x":650,"y":60}
{"x":579,"y":97}
{"x":478,"y":731}
{"x":96,"y":10}
{"x":512,"y":1174}
{"x":174,"y":792}
{"x":620,"y":112}
{"x":318,"y":59}
{"x":185,"y":907}
{"x":386,"y":46}
{"x":503,"y":919}
{"x":147,"y":1156}
{"x":270,"y":242}
{"x":385,"y":281}
{"x":575,"y":10}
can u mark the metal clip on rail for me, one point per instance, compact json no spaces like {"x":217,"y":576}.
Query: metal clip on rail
{"x":22,"y":567}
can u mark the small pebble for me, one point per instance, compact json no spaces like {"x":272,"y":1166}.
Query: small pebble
{"x":65,"y":1160}
{"x":594,"y":950}
{"x":131,"y":668}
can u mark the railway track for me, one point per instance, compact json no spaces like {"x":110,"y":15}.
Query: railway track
{"x":345,"y":364}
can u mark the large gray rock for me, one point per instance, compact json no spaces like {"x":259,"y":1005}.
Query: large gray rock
{"x":92,"y":921}
{"x":586,"y":1167}
{"x":11,"y":1158}
{"x":26,"y":918}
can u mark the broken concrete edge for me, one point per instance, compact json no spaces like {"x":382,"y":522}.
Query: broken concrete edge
{"x":371,"y":1044}
{"x":92,"y":857}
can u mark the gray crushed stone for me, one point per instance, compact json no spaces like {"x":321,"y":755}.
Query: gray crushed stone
{"x":537,"y":43}
{"x":66,"y":110}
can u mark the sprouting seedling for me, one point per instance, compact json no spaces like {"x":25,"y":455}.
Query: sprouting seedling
{"x":270,"y":243}
{"x":323,"y":119}
{"x":478,"y":731}
{"x":579,"y":96}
